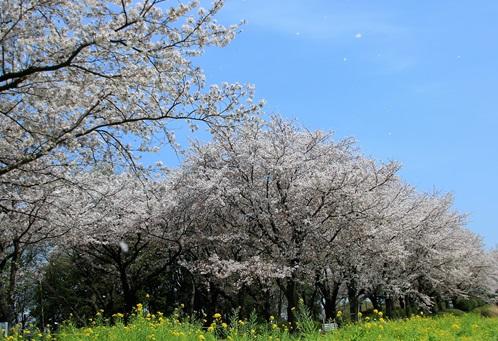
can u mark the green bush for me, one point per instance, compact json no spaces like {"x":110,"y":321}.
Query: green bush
{"x":468,"y":304}
{"x":487,"y":311}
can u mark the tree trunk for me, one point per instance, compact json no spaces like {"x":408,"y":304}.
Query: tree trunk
{"x":407,"y":306}
{"x":330,"y":302}
{"x":14,"y":267}
{"x":375,"y":301}
{"x":439,"y":303}
{"x":192,"y":297}
{"x":389,"y":307}
{"x":280,"y":303}
{"x":129,"y":296}
{"x":291,"y":296}
{"x":267,"y":307}
{"x":353,"y":301}
{"x":402,"y":303}
{"x":212,"y":300}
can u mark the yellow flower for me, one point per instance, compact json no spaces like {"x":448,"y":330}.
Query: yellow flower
{"x":210,"y":329}
{"x":339,"y":313}
{"x":201,"y":337}
{"x":272,"y":317}
{"x":147,"y":296}
{"x":139,"y":307}
{"x":274,"y":326}
{"x":253,"y":331}
{"x":217,"y":316}
{"x":224,"y":325}
{"x":382,"y":320}
{"x":380,"y":314}
{"x":375,"y":311}
{"x":360,"y":314}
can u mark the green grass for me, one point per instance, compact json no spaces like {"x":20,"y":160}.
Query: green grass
{"x":470,"y":326}
{"x":443,"y":327}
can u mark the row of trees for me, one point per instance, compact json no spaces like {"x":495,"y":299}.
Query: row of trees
{"x":265,"y":213}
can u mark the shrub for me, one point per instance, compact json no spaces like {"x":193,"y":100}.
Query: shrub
{"x":487,"y":311}
{"x":468,"y":304}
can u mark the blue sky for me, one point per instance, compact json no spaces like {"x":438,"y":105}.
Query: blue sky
{"x":413,"y":81}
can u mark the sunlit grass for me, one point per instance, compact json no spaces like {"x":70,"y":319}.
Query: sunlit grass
{"x":443,"y":327}
{"x":145,"y":326}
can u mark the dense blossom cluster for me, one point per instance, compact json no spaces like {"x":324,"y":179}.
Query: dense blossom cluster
{"x":263,"y":214}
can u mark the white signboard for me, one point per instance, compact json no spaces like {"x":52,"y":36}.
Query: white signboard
{"x":326,"y":327}
{"x":4,"y":328}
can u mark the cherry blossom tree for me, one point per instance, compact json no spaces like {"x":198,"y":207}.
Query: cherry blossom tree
{"x":28,"y":226}
{"x":129,"y":233}
{"x":280,"y":192}
{"x":87,"y":84}
{"x":351,"y":257}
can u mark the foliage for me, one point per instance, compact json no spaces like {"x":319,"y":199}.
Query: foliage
{"x":487,"y":310}
{"x":468,"y":304}
{"x":305,"y":324}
